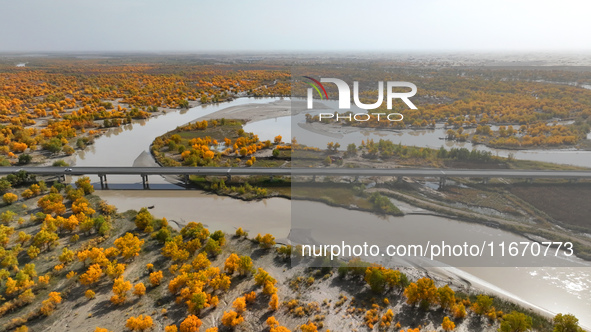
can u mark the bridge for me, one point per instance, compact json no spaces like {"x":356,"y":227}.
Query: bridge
{"x":228,"y":172}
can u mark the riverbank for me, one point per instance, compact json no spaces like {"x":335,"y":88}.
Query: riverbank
{"x":252,"y":112}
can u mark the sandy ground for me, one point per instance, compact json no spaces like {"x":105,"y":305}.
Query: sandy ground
{"x":253,"y":112}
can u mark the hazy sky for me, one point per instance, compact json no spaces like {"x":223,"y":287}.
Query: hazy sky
{"x":297,"y":25}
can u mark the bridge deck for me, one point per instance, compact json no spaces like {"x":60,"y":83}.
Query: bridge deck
{"x":224,"y":171}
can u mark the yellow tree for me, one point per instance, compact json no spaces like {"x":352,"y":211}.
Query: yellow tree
{"x":92,"y":275}
{"x":191,"y":324}
{"x":446,"y":297}
{"x":155,"y":278}
{"x":231,"y":318}
{"x":120,"y":288}
{"x":139,"y":289}
{"x":129,"y":245}
{"x":447,"y":324}
{"x":140,"y":323}
{"x":9,"y":198}
{"x":310,"y":327}
{"x":47,"y":306}
{"x":239,"y":305}
{"x":423,"y":292}
{"x":274,"y":302}
{"x":231,"y":263}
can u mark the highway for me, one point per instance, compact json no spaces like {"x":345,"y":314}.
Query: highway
{"x":225,"y":171}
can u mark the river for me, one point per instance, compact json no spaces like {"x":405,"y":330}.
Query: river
{"x":551,"y":289}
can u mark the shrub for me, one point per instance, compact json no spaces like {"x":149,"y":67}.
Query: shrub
{"x":139,"y":323}
{"x":9,"y":198}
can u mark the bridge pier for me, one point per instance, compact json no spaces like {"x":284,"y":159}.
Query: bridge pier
{"x":103,"y":178}
{"x":441,"y":183}
{"x":186,"y":179}
{"x":529,"y":180}
{"x":145,"y":181}
{"x":485,"y":180}
{"x":573,"y":180}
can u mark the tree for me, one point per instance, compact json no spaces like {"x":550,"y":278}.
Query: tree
{"x":23,"y":237}
{"x":262,"y":277}
{"x":458,"y":311}
{"x":129,"y":245}
{"x":566,"y":323}
{"x":200,"y":262}
{"x":231,"y":318}
{"x":190,"y":324}
{"x":143,"y":219}
{"x":89,"y":294}
{"x":219,"y":236}
{"x":139,"y":323}
{"x":47,"y":306}
{"x":515,"y":322}
{"x":351,"y":150}
{"x":245,"y":265}
{"x":54,"y":145}
{"x":482,"y":305}
{"x":231,"y":263}
{"x":66,"y":256}
{"x":7,"y":217}
{"x":170,"y":328}
{"x":45,"y":239}
{"x":267,"y":241}
{"x":24,"y":159}
{"x":120,"y":288}
{"x":447,"y":324}
{"x":9,"y":198}
{"x":5,"y":185}
{"x":221,"y":281}
{"x":84,"y":184}
{"x":423,"y":292}
{"x":374,"y":276}
{"x":239,"y":305}
{"x":139,"y":289}
{"x":241,"y":233}
{"x":92,"y":275}
{"x":310,"y":327}
{"x":274,"y":302}
{"x":155,"y":278}
{"x":387,"y":319}
{"x":212,"y":247}
{"x":5,"y":234}
{"x":274,"y":325}
{"x":52,"y":203}
{"x":32,"y":252}
{"x":446,"y":297}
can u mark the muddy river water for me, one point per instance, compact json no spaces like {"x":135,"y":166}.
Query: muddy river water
{"x":549,"y":289}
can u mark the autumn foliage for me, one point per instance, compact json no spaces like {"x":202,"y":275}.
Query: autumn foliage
{"x":139,"y":323}
{"x":190,"y":324}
